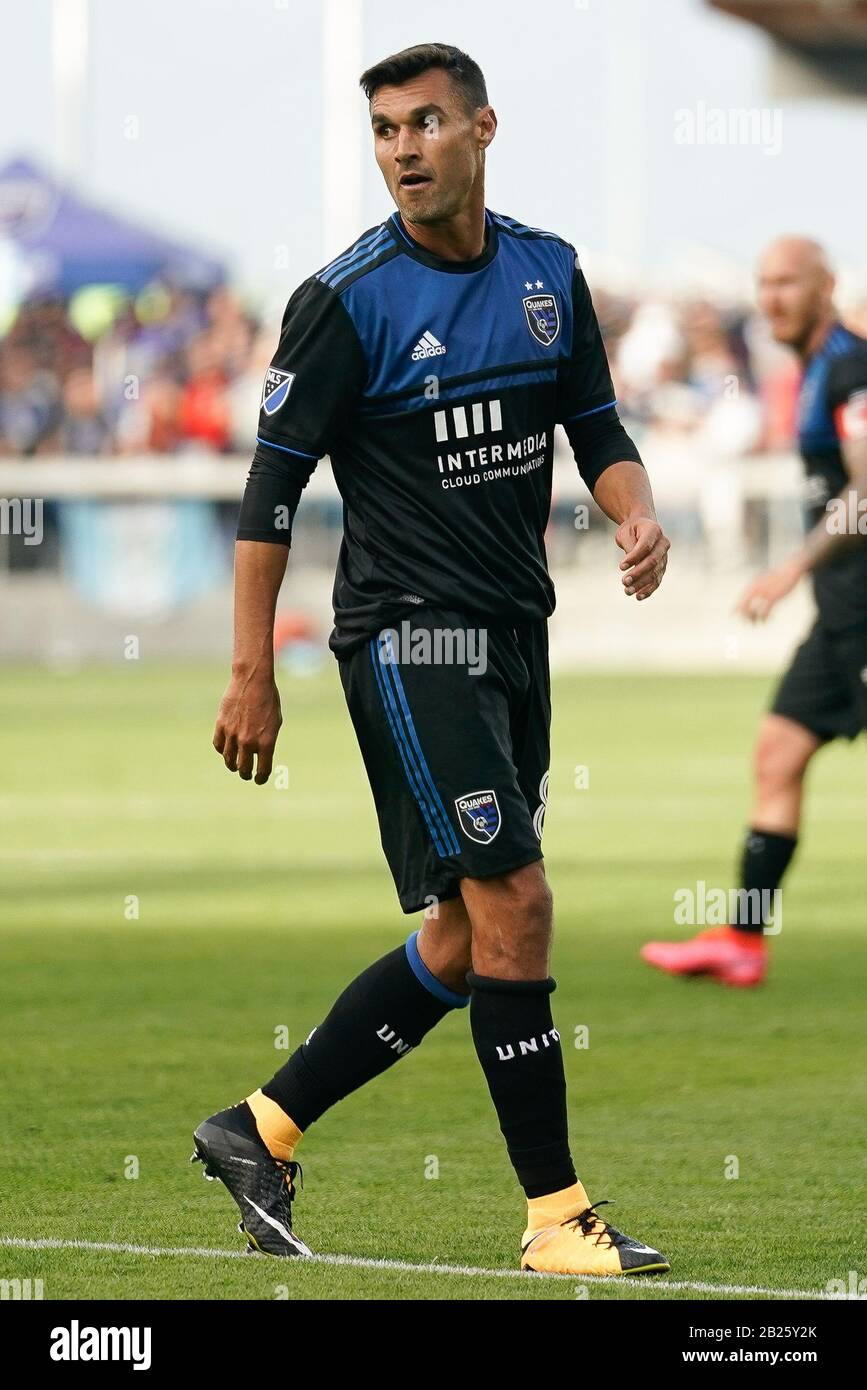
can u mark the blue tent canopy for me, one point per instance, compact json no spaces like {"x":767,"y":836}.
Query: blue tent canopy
{"x":69,"y":242}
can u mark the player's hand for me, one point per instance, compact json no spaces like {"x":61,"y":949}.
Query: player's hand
{"x":647,"y":549}
{"x":248,"y":722}
{"x":766,"y":591}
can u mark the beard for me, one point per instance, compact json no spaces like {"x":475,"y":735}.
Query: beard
{"x":428,"y":206}
{"x":434,"y":203}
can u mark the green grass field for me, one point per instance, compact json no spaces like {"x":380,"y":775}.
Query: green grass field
{"x":256,"y":905}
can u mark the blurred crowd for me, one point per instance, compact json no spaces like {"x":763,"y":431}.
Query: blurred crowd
{"x":167,"y":372}
{"x":172,"y":371}
{"x":694,"y":370}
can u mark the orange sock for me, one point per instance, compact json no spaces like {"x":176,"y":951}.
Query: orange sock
{"x":556,"y":1206}
{"x":278,"y":1131}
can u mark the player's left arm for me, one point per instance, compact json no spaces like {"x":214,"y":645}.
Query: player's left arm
{"x":835,"y":534}
{"x":623,"y":492}
{"x":847,"y":400}
{"x":607,"y":458}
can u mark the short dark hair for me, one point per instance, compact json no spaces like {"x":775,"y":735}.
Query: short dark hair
{"x":411,"y":62}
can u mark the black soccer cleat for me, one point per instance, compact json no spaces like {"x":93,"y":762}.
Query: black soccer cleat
{"x":230,"y":1147}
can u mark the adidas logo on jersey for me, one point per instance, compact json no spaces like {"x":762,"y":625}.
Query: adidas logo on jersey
{"x":427,"y":346}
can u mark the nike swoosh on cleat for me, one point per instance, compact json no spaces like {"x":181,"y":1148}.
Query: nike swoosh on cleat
{"x":549,"y":1231}
{"x":283,"y":1230}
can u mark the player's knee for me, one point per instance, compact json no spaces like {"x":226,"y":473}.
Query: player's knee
{"x":533,"y":899}
{"x":514,"y":933}
{"x":455,"y":953}
{"x":522,"y":895}
{"x":445,"y":942}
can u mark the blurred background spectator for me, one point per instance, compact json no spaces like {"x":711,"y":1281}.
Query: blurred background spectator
{"x":169,"y":371}
{"x":173,"y":370}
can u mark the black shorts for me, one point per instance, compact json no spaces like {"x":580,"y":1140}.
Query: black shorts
{"x":453,"y":719}
{"x":825,"y":687}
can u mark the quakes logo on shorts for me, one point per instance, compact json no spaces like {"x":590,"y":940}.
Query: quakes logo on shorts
{"x":479,"y":815}
{"x":543,"y":317}
{"x":275,"y":389}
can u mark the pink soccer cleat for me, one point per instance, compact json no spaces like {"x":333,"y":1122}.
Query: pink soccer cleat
{"x":731,"y":957}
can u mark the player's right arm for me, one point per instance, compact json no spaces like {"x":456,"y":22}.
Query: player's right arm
{"x":310,"y":387}
{"x":249,"y":717}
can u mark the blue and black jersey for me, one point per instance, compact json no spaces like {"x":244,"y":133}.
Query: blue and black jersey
{"x":434,"y":386}
{"x":832,"y":407}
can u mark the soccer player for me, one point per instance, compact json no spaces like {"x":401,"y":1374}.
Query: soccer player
{"x":431,"y":361}
{"x":823,"y":695}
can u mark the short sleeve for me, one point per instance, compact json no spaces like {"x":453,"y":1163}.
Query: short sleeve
{"x":316,"y":375}
{"x":584,"y":379}
{"x":847,"y":395}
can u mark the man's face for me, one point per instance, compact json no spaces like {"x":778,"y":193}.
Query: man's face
{"x":794,"y":290}
{"x":428,"y":145}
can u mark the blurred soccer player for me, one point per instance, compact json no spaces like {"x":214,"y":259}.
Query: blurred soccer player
{"x":431,"y":361}
{"x":823,"y":695}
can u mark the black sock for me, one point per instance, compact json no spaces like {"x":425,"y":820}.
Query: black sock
{"x":384,"y":1013}
{"x":519,"y":1049}
{"x":765,"y":859}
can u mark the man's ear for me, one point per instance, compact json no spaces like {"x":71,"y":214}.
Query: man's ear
{"x":487,"y":120}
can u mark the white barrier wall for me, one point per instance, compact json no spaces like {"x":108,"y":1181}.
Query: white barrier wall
{"x":146,"y":562}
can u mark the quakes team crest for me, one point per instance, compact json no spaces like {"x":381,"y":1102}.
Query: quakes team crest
{"x":479,"y":815}
{"x":543,"y":317}
{"x":275,"y":389}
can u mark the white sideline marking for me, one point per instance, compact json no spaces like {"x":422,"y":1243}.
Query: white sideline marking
{"x":651,"y":1283}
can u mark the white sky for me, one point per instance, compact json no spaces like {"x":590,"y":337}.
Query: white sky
{"x":228,"y":98}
